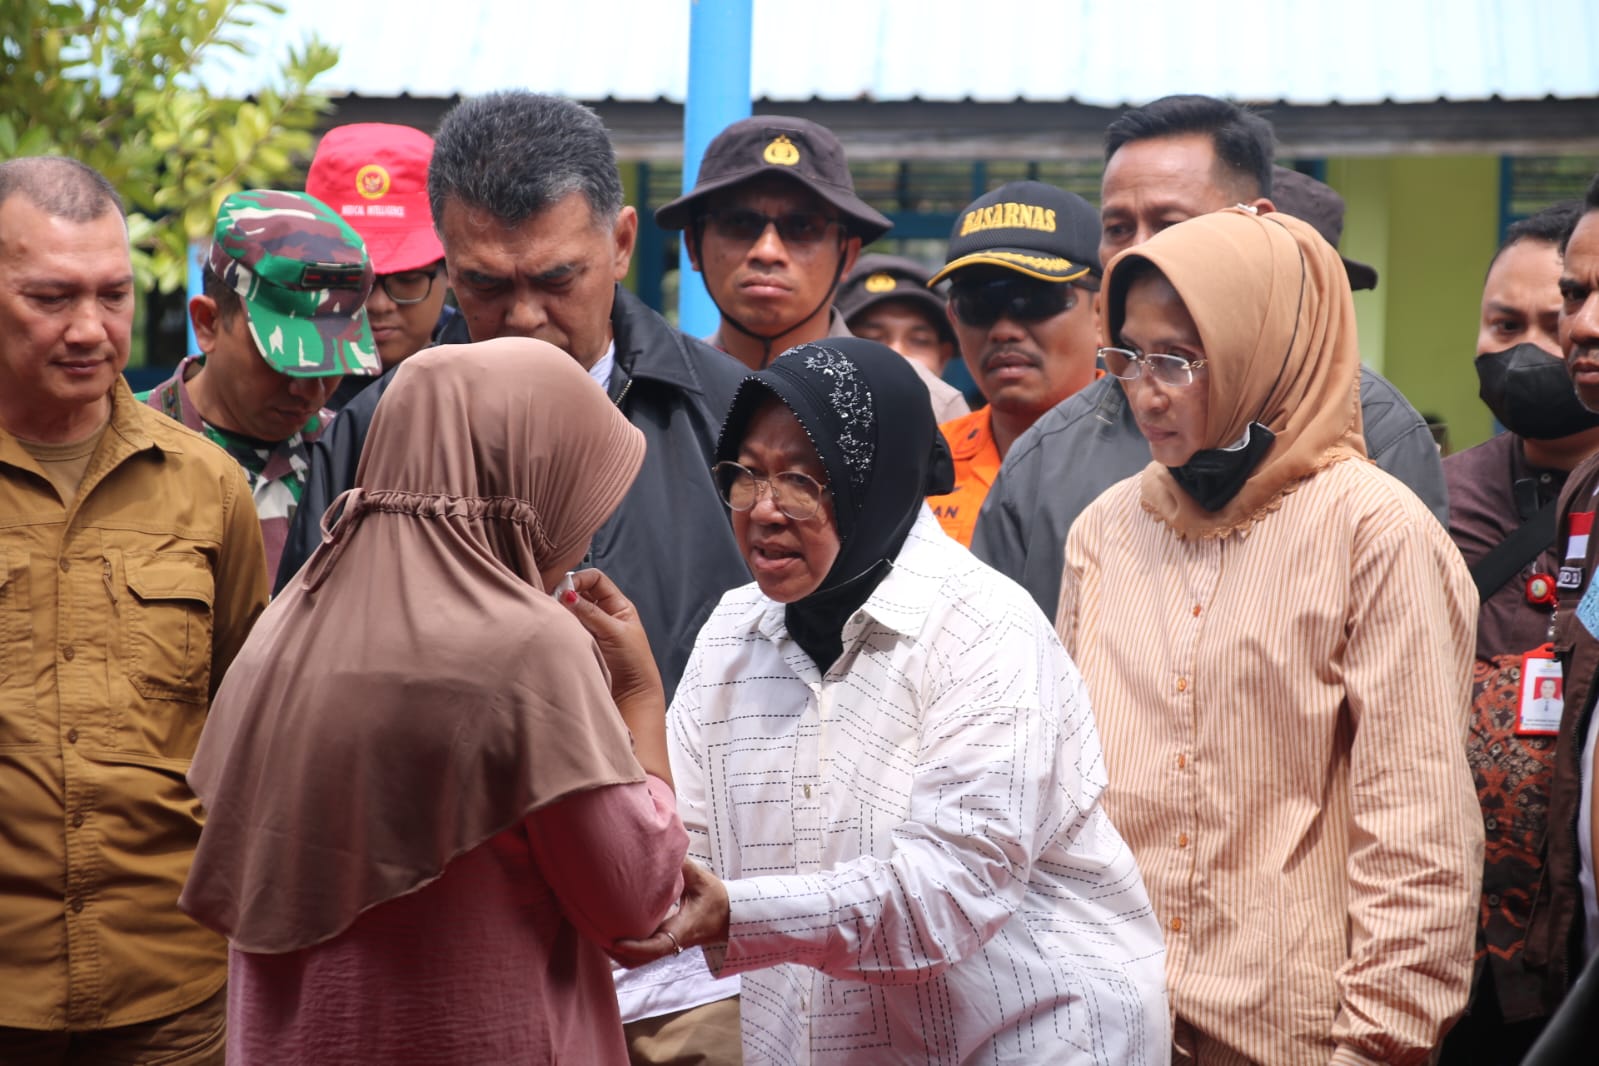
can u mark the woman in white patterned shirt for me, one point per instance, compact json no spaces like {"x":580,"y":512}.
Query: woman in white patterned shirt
{"x":889,"y":764}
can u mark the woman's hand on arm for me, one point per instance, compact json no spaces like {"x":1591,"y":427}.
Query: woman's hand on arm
{"x":701,"y":918}
{"x":613,"y":622}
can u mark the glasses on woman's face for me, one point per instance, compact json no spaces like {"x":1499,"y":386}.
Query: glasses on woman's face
{"x":743,"y":226}
{"x":408,"y":286}
{"x":797,"y":495}
{"x":1166,"y":369}
{"x":1018,"y":299}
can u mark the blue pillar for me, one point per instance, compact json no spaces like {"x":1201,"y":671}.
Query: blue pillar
{"x":198,"y":251}
{"x":718,"y":95}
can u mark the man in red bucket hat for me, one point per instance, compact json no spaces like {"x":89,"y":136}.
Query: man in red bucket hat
{"x":375,"y":175}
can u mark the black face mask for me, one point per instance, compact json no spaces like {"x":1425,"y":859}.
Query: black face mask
{"x":1214,"y":476}
{"x":1531,"y":394}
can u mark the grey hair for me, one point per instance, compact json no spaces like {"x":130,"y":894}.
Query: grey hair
{"x":515,"y":153}
{"x":64,"y":188}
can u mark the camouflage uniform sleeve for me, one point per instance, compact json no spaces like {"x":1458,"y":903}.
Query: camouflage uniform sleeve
{"x":241,"y":575}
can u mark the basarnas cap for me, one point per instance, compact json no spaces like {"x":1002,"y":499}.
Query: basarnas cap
{"x":375,"y":176}
{"x":796,"y":148}
{"x":1311,"y":201}
{"x":304,"y":277}
{"x":1029,"y":227}
{"x":879,"y":278}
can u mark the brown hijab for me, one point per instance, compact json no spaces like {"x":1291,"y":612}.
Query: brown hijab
{"x":1271,"y":300}
{"x":415,"y":691}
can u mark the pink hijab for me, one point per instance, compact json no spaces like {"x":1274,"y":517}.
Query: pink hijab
{"x":415,"y":691}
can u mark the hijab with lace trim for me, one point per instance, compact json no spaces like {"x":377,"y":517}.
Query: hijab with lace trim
{"x":866,"y":412}
{"x":415,"y":691}
{"x":1271,"y":301}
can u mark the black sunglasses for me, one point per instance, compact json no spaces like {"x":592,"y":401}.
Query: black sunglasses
{"x":1019,"y":299}
{"x":746,"y":226}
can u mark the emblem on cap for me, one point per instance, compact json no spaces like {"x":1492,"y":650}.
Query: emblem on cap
{"x":781,"y":152}
{"x":881,"y":282}
{"x":372,"y":181}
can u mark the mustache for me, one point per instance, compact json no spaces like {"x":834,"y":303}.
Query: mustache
{"x":991,"y":356}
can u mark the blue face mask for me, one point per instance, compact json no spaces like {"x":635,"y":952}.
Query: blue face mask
{"x":1531,"y":394}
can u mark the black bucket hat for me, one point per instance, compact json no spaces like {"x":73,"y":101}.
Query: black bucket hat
{"x":1311,"y":201}
{"x":877,"y":278}
{"x":796,"y":148}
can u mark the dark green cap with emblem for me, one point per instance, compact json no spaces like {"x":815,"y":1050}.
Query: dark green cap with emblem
{"x":304,"y":277}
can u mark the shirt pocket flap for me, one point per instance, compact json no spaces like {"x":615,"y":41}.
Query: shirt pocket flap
{"x":170,"y":577}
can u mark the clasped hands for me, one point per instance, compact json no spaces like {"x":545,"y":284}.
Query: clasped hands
{"x":700,"y":918}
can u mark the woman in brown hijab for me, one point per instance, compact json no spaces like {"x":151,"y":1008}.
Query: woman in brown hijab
{"x":1277,"y":639}
{"x":425,"y":816}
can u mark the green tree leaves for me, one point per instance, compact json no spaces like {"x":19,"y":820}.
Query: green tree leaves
{"x":113,"y":83}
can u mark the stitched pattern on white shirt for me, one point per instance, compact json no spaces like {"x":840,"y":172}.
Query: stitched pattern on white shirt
{"x":917,"y":863}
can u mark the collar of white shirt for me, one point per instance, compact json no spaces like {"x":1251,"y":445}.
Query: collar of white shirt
{"x":902,"y":600}
{"x":601,"y":370}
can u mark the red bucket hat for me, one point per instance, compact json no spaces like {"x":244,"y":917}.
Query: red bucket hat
{"x":375,"y":177}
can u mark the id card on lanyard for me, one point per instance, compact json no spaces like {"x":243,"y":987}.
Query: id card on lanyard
{"x":1542,"y":694}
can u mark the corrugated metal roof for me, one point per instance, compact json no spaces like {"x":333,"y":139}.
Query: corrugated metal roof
{"x":1102,"y":52}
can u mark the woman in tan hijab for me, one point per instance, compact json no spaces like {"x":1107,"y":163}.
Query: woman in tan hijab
{"x":1277,"y":639}
{"x":425,"y":815}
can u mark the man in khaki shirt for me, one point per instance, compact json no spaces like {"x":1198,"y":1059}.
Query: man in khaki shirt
{"x":131,"y":569}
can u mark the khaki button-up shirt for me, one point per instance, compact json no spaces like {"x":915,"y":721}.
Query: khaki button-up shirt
{"x":119,"y":614}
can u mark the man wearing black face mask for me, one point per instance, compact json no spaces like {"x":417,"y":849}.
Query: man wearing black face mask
{"x":1502,"y":498}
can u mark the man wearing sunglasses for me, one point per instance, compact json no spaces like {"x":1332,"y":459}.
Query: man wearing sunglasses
{"x":1023,"y":266}
{"x":1168,"y":161}
{"x":375,"y":176}
{"x":772,"y":225}
{"x":281,"y":319}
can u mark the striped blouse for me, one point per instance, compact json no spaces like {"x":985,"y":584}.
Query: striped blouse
{"x":1284,"y":718}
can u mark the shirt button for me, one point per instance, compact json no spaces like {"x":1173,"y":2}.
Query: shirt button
{"x":1196,"y":610}
{"x":1493,"y":899}
{"x":1182,"y":761}
{"x":1492,"y":823}
{"x":77,"y":904}
{"x":1182,"y":838}
{"x":77,"y":819}
{"x":807,"y":791}
{"x":1182,"y":684}
{"x":1176,"y":925}
{"x":69,"y":653}
{"x":66,"y":564}
{"x":72,"y":736}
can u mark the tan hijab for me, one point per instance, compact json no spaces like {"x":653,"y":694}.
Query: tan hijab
{"x":415,"y":691}
{"x":1271,"y":300}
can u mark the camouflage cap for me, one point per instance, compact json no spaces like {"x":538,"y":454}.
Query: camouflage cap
{"x":304,"y":277}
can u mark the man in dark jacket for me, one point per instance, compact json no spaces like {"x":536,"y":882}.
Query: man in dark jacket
{"x":528,"y":200}
{"x":1502,"y":496}
{"x":1564,"y":927}
{"x":1171,"y":160}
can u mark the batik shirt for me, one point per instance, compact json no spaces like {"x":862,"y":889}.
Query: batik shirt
{"x":276,"y":472}
{"x":916,"y":860}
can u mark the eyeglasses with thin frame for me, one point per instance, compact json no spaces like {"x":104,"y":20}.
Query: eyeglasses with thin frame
{"x":1129,"y":365}
{"x":797,"y":495}
{"x":408,"y":286}
{"x":745,"y":226}
{"x":1018,"y":299}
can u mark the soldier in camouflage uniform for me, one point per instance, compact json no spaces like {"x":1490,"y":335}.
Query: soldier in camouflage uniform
{"x":281,"y":320}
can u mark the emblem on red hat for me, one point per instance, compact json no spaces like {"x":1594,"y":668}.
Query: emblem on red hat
{"x":372,"y":181}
